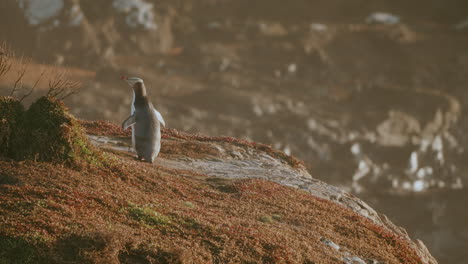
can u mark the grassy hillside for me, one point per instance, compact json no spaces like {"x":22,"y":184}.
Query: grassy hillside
{"x":134,"y":212}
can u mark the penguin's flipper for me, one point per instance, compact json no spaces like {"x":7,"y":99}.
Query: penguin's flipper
{"x":160,"y":118}
{"x":129,"y":122}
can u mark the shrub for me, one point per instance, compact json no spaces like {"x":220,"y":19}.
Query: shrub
{"x":44,"y":132}
{"x":11,"y":112}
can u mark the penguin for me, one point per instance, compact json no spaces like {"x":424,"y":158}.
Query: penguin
{"x":145,"y":121}
{"x":131,"y":81}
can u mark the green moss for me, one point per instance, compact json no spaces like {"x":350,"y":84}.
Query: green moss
{"x":148,"y":216}
{"x":276,"y":217}
{"x":11,"y":112}
{"x":270,"y":219}
{"x":189,"y":204}
{"x":266,"y":219}
{"x":190,"y":223}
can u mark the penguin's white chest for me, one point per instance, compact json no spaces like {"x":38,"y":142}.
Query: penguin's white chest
{"x":132,"y":111}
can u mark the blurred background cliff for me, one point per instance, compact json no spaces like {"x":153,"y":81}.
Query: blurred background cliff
{"x":369,"y":93}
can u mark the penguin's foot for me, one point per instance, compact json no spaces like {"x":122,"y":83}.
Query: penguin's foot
{"x":143,"y":159}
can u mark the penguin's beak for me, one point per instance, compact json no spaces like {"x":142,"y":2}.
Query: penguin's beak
{"x":125,"y":78}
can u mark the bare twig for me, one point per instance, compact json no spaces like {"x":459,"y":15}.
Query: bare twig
{"x":56,"y":85}
{"x":5,"y":59}
{"x":21,"y":72}
{"x":74,"y":89}
{"x":34,"y":86}
{"x":60,"y":87}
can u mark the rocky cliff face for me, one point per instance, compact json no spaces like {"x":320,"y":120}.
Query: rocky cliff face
{"x":82,"y":31}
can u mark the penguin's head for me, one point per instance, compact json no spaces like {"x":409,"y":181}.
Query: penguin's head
{"x":136,"y":84}
{"x":131,"y":80}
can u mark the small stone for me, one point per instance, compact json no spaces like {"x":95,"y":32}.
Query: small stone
{"x":356,"y":149}
{"x":330,"y":243}
{"x":139,"y":14}
{"x":273,"y":29}
{"x":292,"y":68}
{"x":382,"y":18}
{"x":357,"y":260}
{"x":318,"y":27}
{"x":462,"y":25}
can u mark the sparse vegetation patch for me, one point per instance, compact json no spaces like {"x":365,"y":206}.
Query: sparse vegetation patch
{"x":147,"y":215}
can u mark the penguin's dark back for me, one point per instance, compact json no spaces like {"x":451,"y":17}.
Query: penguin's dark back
{"x":144,"y":110}
{"x":140,"y":89}
{"x":141,"y":101}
